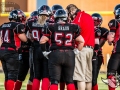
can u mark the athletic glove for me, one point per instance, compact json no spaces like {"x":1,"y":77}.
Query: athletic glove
{"x":46,"y":54}
{"x":76,"y":51}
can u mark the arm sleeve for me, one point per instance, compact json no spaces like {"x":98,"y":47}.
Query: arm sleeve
{"x":113,"y":25}
{"x":77,"y":32}
{"x":28,"y":27}
{"x":104,"y":33}
{"x":46,"y":31}
{"x":20,"y":29}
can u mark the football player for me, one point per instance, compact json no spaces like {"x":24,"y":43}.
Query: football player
{"x":100,"y":39}
{"x":114,"y":37}
{"x":12,"y":33}
{"x":24,"y":65}
{"x":62,"y":36}
{"x":39,"y":62}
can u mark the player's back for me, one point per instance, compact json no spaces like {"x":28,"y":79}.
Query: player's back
{"x":63,"y":35}
{"x":9,"y":35}
{"x":35,"y":29}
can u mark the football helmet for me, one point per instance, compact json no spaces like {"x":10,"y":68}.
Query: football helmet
{"x":97,"y":19}
{"x":17,"y":15}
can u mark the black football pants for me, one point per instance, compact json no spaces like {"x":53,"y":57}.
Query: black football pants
{"x":96,"y":65}
{"x":113,"y":64}
{"x":40,"y":64}
{"x":24,"y":67}
{"x":10,"y":64}
{"x":61,"y":60}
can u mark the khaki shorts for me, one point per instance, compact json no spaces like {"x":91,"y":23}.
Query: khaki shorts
{"x":83,"y":65}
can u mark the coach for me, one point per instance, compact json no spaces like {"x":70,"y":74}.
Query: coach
{"x":83,"y":59}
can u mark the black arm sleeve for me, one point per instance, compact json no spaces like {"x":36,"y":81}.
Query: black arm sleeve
{"x":43,"y":47}
{"x":104,"y":33}
{"x":77,"y":32}
{"x":20,"y":28}
{"x":46,"y":31}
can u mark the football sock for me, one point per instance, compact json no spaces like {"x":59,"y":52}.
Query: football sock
{"x":36,"y":84}
{"x":62,"y":85}
{"x":10,"y":85}
{"x":70,"y":87}
{"x":29,"y":87}
{"x":45,"y":84}
{"x":95,"y":87}
{"x":109,"y":87}
{"x":18,"y":85}
{"x":54,"y":87}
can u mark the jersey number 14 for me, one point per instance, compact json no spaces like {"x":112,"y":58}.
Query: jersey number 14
{"x":5,"y":36}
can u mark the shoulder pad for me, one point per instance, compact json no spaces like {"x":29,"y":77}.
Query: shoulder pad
{"x":111,"y":22}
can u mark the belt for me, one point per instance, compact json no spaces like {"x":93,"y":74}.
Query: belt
{"x":7,"y":48}
{"x":62,"y":50}
{"x":89,"y":47}
{"x":25,"y":50}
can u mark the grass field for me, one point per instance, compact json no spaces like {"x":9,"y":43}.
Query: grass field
{"x":102,"y":86}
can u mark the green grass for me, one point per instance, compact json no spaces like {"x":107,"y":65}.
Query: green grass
{"x":102,"y":86}
{"x":2,"y":82}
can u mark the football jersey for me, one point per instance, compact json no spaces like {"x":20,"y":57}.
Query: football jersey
{"x":114,"y":26}
{"x":26,"y":47}
{"x":35,"y":29}
{"x":100,"y":33}
{"x":9,"y":33}
{"x":62,"y":36}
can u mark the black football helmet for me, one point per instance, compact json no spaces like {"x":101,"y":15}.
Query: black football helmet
{"x":34,"y":15}
{"x":117,"y":13}
{"x":97,"y":19}
{"x":60,"y":14}
{"x":116,"y":7}
{"x":56,"y":7}
{"x":44,"y":10}
{"x":17,"y":15}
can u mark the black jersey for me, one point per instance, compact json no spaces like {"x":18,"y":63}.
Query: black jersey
{"x":35,"y":29}
{"x":62,"y":36}
{"x":25,"y":48}
{"x":114,"y":26}
{"x":100,"y":33}
{"x":9,"y":34}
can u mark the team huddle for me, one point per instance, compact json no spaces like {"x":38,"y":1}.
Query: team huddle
{"x":59,"y":47}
